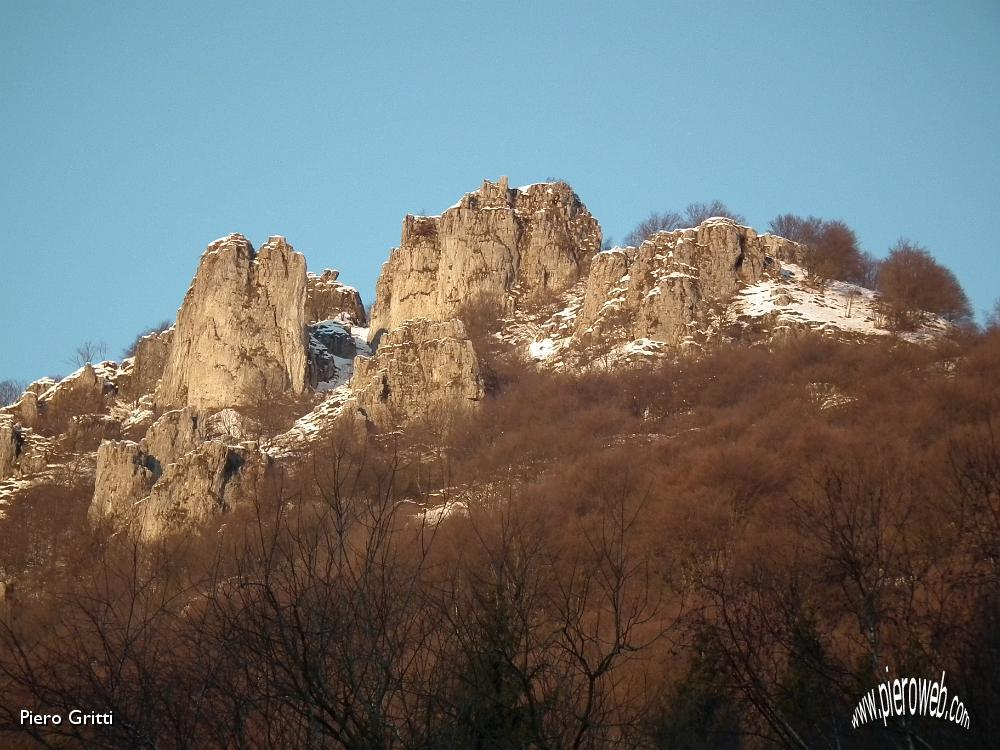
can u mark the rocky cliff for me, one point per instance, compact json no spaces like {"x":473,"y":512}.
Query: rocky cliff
{"x":661,"y":289}
{"x":240,"y":335}
{"x":496,"y":245}
{"x":180,"y":432}
{"x":327,"y":298}
{"x":141,"y":374}
{"x":422,"y":368}
{"x":133,"y":487}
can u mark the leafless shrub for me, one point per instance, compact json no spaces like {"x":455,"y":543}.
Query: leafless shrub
{"x":652,"y":224}
{"x":10,"y":391}
{"x":88,"y":352}
{"x":696,"y":213}
{"x":129,"y":350}
{"x":832,"y":250}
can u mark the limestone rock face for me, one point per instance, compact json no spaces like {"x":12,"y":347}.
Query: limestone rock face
{"x":134,"y":486}
{"x":240,"y":333}
{"x":89,"y":390}
{"x":143,"y":374}
{"x":661,"y":289}
{"x":10,"y":445}
{"x":38,"y":387}
{"x":124,"y":476}
{"x":496,"y":245}
{"x":783,"y":250}
{"x":205,"y":482}
{"x":329,"y":299}
{"x":421,"y":369}
{"x":86,"y":431}
{"x":172,"y":435}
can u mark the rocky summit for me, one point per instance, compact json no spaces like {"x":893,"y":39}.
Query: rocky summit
{"x":495,"y":245}
{"x":178,"y":433}
{"x":240,"y":333}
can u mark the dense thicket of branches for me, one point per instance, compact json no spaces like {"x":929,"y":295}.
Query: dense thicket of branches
{"x":722,"y":552}
{"x":913,"y":284}
{"x":831,"y":248}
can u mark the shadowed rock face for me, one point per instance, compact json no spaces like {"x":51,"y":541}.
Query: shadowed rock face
{"x":206,"y":482}
{"x":421,"y":369}
{"x":240,"y":334}
{"x":132,"y":486}
{"x":494,"y":242}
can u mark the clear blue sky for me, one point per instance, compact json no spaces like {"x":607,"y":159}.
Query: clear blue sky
{"x":135,"y":133}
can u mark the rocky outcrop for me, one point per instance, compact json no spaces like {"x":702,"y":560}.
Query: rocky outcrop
{"x":38,"y":387}
{"x":663,"y":289}
{"x":89,"y":390}
{"x":329,"y":299}
{"x":174,"y":434}
{"x":208,"y":481}
{"x":127,"y":470}
{"x":497,"y":245}
{"x":332,"y":348}
{"x":25,"y":409}
{"x":421,"y":369}
{"x":134,"y":486}
{"x":86,"y":431}
{"x":141,"y":376}
{"x":240,"y":333}
{"x":10,"y":445}
{"x":125,"y":474}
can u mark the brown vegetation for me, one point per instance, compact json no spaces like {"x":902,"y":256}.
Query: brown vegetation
{"x":722,"y":552}
{"x":832,"y":250}
{"x":913,"y":284}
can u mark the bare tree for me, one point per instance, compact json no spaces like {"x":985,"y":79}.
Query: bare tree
{"x":993,"y":317}
{"x":652,"y":224}
{"x":832,"y":250}
{"x":696,"y":213}
{"x":913,"y":284}
{"x":10,"y":391}
{"x":87,"y":353}
{"x":692,"y":216}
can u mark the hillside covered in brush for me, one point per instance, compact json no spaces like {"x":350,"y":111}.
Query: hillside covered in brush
{"x":699,"y":490}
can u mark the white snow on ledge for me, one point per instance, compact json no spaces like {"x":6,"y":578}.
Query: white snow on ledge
{"x":539,"y":350}
{"x":835,"y":305}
